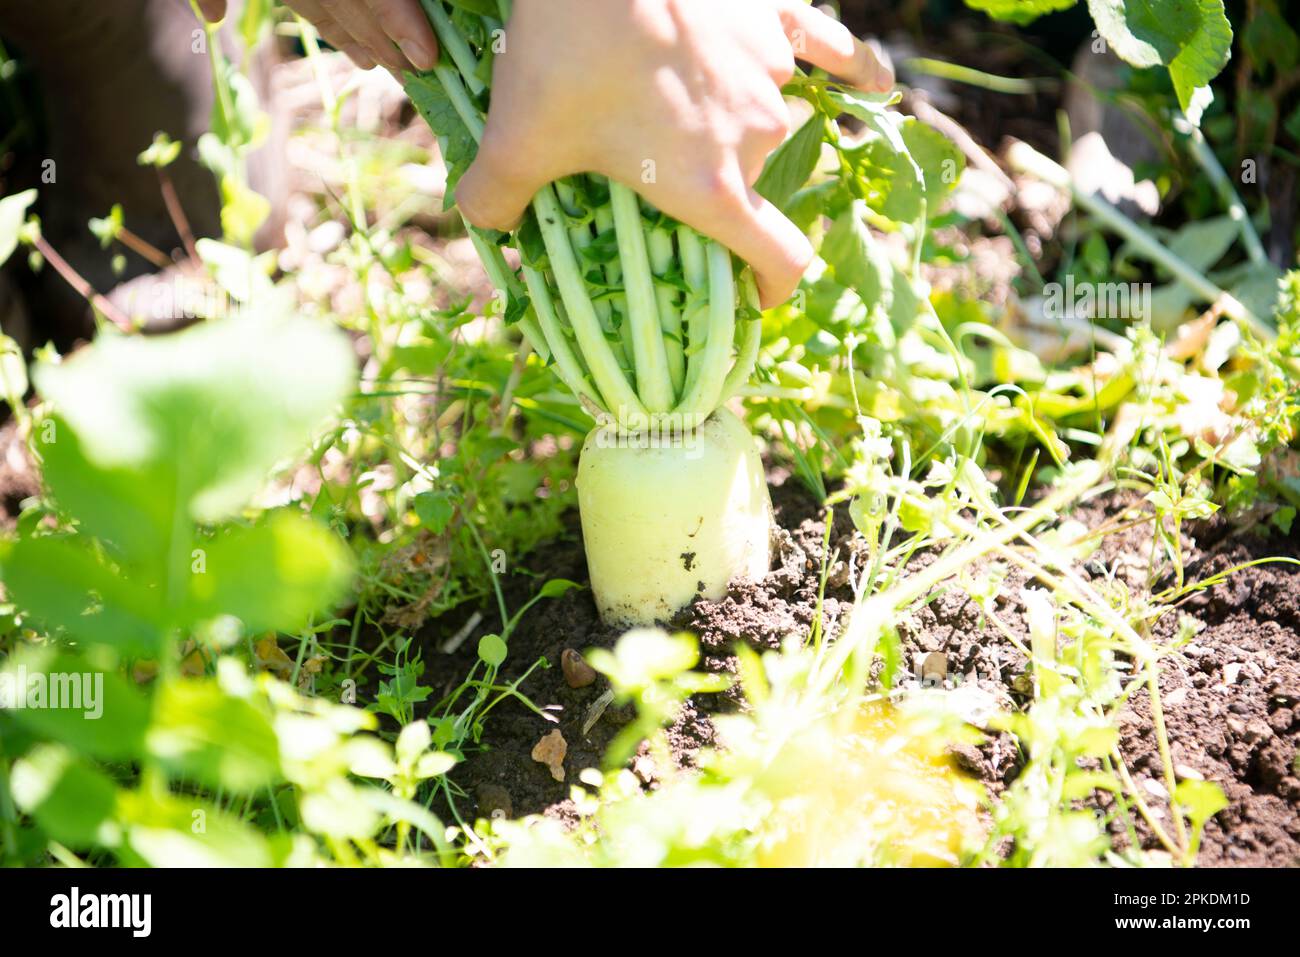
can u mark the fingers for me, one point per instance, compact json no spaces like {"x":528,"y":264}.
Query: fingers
{"x":827,"y":43}
{"x":407,"y":26}
{"x":212,"y":10}
{"x":357,"y":20}
{"x":758,"y":233}
{"x":495,"y":191}
{"x":332,"y":33}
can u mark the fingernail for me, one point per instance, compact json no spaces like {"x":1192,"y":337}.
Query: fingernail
{"x":421,"y":56}
{"x":882,"y":76}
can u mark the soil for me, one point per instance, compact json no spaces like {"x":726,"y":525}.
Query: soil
{"x":1231,"y":698}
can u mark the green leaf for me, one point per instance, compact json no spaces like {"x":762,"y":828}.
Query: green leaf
{"x":1191,"y":37}
{"x":1269,"y":41}
{"x":454,"y":138}
{"x":858,"y":261}
{"x":163,"y":151}
{"x":109,"y":228}
{"x":243,"y":210}
{"x":412,"y":741}
{"x":103,"y":717}
{"x":557,"y":587}
{"x":71,"y":801}
{"x":793,"y":162}
{"x":13,"y":371}
{"x":492,"y":650}
{"x":13,"y":213}
{"x":272,"y":576}
{"x":247,"y":278}
{"x":175,"y":831}
{"x":892,"y":175}
{"x":645,"y":656}
{"x":130,"y":508}
{"x":433,"y":764}
{"x":64,"y":584}
{"x":199,"y":731}
{"x":1204,"y":242}
{"x":1200,"y":800}
{"x":889,"y":150}
{"x":1019,"y":11}
{"x":435,"y":510}
{"x":484,"y":8}
{"x":214,"y":407}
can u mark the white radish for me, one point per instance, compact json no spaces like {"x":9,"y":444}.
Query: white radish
{"x":666,"y":518}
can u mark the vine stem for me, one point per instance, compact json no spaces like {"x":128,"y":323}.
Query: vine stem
{"x":177,"y":214}
{"x":1218,"y":177}
{"x":1025,"y":159}
{"x":82,"y":287}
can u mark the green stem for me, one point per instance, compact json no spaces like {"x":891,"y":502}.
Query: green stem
{"x":751,"y":337}
{"x":620,"y":400}
{"x":703,"y":397}
{"x":501,"y":275}
{"x":670,"y":313}
{"x":454,"y":44}
{"x":1223,"y":186}
{"x":604,"y":221}
{"x":567,"y":365}
{"x":465,"y":108}
{"x":582,"y":236}
{"x":651,"y":361}
{"x":695,"y":271}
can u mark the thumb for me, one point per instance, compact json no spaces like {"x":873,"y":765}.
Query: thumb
{"x":495,"y":191}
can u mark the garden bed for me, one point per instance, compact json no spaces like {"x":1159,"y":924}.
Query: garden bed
{"x":1230,"y":699}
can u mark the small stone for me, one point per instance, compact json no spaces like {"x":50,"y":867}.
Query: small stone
{"x":1231,"y":673}
{"x":577,"y":673}
{"x":1236,"y":726}
{"x":1154,"y":788}
{"x":494,"y":802}
{"x":1185,"y":772}
{"x":550,"y":751}
{"x":643,"y":767}
{"x":1257,"y":731}
{"x":1252,"y":670}
{"x":967,"y":757}
{"x":934,"y":669}
{"x":1176,"y":697}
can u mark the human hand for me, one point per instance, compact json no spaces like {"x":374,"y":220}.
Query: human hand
{"x":393,"y":33}
{"x":680,"y":99}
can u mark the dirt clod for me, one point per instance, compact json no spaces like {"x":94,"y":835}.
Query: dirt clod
{"x":550,"y":751}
